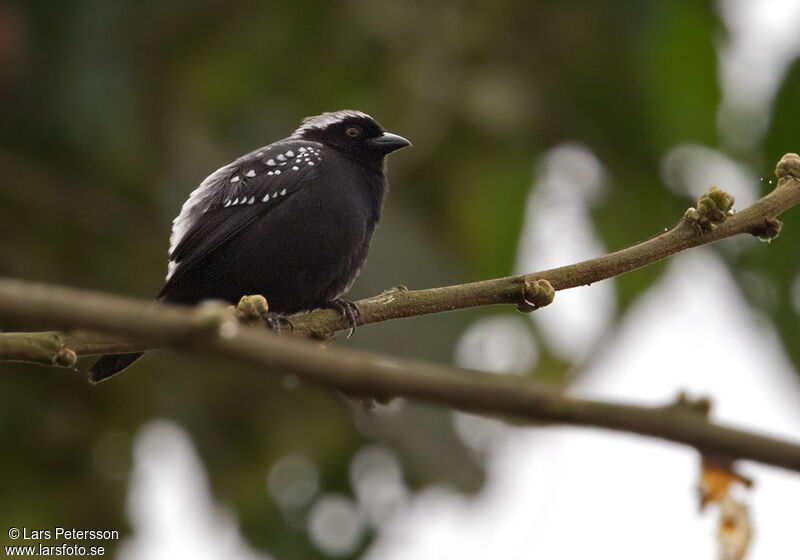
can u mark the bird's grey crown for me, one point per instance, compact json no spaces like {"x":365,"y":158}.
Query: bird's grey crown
{"x":320,"y":122}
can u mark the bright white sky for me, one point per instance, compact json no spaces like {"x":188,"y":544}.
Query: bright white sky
{"x":575,"y":493}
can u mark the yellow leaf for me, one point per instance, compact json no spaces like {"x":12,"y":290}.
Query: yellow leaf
{"x":715,"y":480}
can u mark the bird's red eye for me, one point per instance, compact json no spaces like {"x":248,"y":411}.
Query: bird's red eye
{"x":353,"y":131}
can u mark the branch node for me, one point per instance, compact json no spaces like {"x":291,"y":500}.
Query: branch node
{"x":769,"y":230}
{"x":252,"y":310}
{"x":388,"y":296}
{"x":712,"y":209}
{"x":65,"y":357}
{"x":788,"y":166}
{"x":684,"y":403}
{"x":535,"y":294}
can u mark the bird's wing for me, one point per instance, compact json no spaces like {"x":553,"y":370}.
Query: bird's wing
{"x":234,"y":196}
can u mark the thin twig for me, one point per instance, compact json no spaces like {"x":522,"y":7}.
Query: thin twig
{"x":757,"y":219}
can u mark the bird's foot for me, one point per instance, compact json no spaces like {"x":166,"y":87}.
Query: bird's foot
{"x":346,"y":309}
{"x":277,"y":322}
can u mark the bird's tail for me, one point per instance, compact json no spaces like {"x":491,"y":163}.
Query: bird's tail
{"x":111,"y":364}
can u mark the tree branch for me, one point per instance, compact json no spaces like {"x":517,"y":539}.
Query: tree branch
{"x":759,"y":219}
{"x":212,"y":329}
{"x":693,"y":230}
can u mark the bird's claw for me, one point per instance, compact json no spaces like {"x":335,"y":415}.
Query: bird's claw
{"x":276,"y":322}
{"x":348,"y":310}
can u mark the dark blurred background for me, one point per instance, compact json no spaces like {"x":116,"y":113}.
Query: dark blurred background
{"x":112,"y":111}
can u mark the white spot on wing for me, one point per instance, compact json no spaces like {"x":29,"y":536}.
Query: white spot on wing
{"x":251,"y":173}
{"x":280,"y":157}
{"x":217,"y":187}
{"x":290,"y":153}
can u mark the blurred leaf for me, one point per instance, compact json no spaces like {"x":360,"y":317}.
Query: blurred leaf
{"x":716,"y":479}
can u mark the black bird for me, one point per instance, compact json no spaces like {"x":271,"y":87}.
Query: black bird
{"x":291,"y":221}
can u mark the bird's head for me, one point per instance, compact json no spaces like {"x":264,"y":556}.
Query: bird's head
{"x":353,"y":132}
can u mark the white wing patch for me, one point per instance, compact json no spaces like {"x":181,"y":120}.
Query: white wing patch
{"x":197,"y":203}
{"x":225,"y":188}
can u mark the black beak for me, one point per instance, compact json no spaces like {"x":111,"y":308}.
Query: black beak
{"x":388,"y":142}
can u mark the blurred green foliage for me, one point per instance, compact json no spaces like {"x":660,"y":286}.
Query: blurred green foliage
{"x":111,"y":112}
